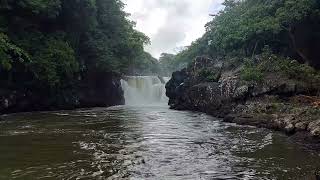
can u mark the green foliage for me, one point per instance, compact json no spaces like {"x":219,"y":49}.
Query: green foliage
{"x":54,"y":62}
{"x":167,"y":64}
{"x":267,"y":62}
{"x":245,"y":27}
{"x":146,"y":65}
{"x":293,"y":11}
{"x":199,"y":47}
{"x":251,"y":24}
{"x":113,"y":44}
{"x":297,"y":71}
{"x":291,"y":68}
{"x":47,"y":8}
{"x":50,"y":45}
{"x":209,"y":75}
{"x":9,"y":53}
{"x":251,"y":72}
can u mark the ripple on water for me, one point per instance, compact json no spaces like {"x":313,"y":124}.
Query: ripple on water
{"x":144,"y":143}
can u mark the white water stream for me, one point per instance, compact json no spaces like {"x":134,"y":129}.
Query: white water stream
{"x":144,"y":90}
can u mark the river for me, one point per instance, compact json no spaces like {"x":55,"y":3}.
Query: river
{"x":146,"y":141}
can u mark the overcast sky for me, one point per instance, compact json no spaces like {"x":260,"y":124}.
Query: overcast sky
{"x":171,"y":24}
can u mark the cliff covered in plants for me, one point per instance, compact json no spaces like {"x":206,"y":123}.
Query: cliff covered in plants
{"x":66,"y":53}
{"x":257,"y":64}
{"x":290,"y":28}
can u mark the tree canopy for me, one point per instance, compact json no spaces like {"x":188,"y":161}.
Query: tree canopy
{"x":289,"y":27}
{"x":53,"y":42}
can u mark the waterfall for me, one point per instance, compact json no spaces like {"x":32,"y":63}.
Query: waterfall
{"x":144,"y":90}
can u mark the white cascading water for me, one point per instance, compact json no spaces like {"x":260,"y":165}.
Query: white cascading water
{"x":144,"y":90}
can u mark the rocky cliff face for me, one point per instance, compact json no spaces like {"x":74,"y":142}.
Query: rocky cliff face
{"x":97,"y":90}
{"x":101,"y":90}
{"x":278,"y":102}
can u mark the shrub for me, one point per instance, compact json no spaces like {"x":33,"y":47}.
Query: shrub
{"x":251,"y":74}
{"x":255,"y":68}
{"x":251,"y":71}
{"x":209,"y":75}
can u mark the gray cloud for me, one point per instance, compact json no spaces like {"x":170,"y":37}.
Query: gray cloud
{"x":171,"y":23}
{"x":167,"y":38}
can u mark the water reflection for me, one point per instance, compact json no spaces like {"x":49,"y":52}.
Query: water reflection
{"x":144,"y":143}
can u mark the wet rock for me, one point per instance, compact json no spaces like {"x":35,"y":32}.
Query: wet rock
{"x":175,"y":86}
{"x":7,"y":100}
{"x":316,"y":132}
{"x":301,"y":126}
{"x":143,"y":161}
{"x":277,"y":124}
{"x":314,"y":128}
{"x":229,"y":118}
{"x":317,"y":174}
{"x":288,"y":121}
{"x":289,"y":129}
{"x":5,"y":103}
{"x":241,"y":92}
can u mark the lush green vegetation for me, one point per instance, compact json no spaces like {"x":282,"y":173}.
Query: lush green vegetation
{"x":167,"y":64}
{"x":290,"y":28}
{"x":209,"y":75}
{"x":256,"y":68}
{"x":145,"y":65}
{"x":51,"y":45}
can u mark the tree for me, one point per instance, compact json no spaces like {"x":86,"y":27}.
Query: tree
{"x":244,"y":28}
{"x":51,"y":47}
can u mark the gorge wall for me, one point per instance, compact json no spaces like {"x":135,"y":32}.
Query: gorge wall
{"x":96,"y":90}
{"x":276,"y":101}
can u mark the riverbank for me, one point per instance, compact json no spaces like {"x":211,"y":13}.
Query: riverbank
{"x":295,"y":116}
{"x":277,"y":100}
{"x":97,"y":90}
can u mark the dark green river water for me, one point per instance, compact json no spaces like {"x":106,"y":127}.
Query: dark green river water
{"x":144,"y":143}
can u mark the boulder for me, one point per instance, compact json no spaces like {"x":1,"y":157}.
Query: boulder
{"x":315,"y":132}
{"x":301,"y":126}
{"x":314,"y":128}
{"x":175,"y":87}
{"x":289,"y":129}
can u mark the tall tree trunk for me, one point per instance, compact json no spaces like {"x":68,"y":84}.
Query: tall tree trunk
{"x":255,"y":48}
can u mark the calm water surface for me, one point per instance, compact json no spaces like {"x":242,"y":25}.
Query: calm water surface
{"x":144,"y":143}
